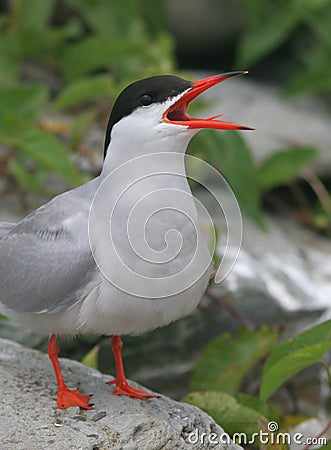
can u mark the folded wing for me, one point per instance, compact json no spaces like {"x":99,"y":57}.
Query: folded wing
{"x":45,"y":260}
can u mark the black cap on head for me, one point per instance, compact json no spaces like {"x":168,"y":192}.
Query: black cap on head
{"x":143,"y":93}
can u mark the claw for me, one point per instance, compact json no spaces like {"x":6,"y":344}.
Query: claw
{"x":123,"y":388}
{"x":67,"y":398}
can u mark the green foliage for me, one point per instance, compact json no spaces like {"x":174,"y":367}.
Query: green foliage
{"x":93,"y":49}
{"x":283,"y":166}
{"x":80,"y":126}
{"x":98,"y":47}
{"x":269,"y":24}
{"x":229,"y":153}
{"x":322,"y":215}
{"x":20,"y":110}
{"x":21,"y":104}
{"x":32,"y":182}
{"x":47,"y":152}
{"x":294,"y":355}
{"x":327,"y":446}
{"x":254,"y":403}
{"x":225,"y":362}
{"x":91,"y":358}
{"x":226,"y":410}
{"x":303,"y":25}
{"x":26,"y":34}
{"x":86,"y":90}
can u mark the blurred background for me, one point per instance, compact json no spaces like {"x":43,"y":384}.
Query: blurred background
{"x":62,"y":64}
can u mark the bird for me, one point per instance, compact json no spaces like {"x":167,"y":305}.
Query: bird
{"x":56,"y":279}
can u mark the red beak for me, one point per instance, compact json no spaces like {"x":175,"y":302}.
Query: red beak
{"x":177,"y":113}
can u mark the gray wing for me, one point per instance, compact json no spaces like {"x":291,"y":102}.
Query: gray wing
{"x":5,"y":227}
{"x":45,"y":260}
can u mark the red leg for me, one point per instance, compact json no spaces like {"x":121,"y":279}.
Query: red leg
{"x":122,"y":386}
{"x":66,"y":397}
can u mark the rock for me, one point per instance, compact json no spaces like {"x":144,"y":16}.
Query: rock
{"x":288,"y":265}
{"x":312,"y":430}
{"x":30,"y":420}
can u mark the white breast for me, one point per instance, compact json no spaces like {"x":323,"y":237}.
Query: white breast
{"x":155,"y":264}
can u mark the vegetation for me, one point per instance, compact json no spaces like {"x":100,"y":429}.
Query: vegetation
{"x":226,"y":362}
{"x":303,"y":26}
{"x":84,"y":53}
{"x":250,"y":182}
{"x":45,"y":68}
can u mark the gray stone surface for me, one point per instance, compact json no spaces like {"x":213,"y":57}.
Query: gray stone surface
{"x":288,"y":264}
{"x":29,"y":419}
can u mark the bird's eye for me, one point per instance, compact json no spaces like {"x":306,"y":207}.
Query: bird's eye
{"x":146,"y":100}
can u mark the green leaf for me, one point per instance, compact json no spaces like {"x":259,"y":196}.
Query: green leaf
{"x":48,"y":153}
{"x":283,"y":166}
{"x":315,"y":79}
{"x":115,"y":19}
{"x":34,"y":14}
{"x":102,"y":54}
{"x":9,"y":59}
{"x":91,"y":358}
{"x":327,"y":446}
{"x":21,"y":102}
{"x":228,"y":153}
{"x":156,"y":15}
{"x":254,"y":403}
{"x":29,"y":181}
{"x":225,"y":362}
{"x":80,"y":126}
{"x":322,"y":216}
{"x":315,"y":335}
{"x":293,"y":356}
{"x":319,"y":20}
{"x":84,"y":90}
{"x":269,"y":25}
{"x":234,"y":417}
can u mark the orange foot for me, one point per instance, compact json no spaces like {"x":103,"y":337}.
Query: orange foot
{"x":68,"y":397}
{"x":123,"y":388}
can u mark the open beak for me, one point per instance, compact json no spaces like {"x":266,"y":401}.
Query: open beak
{"x":177,"y":113}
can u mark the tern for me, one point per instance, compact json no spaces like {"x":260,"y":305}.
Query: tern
{"x":54,"y":279}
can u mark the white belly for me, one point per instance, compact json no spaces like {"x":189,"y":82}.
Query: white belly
{"x":151,"y":273}
{"x":107,"y":310}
